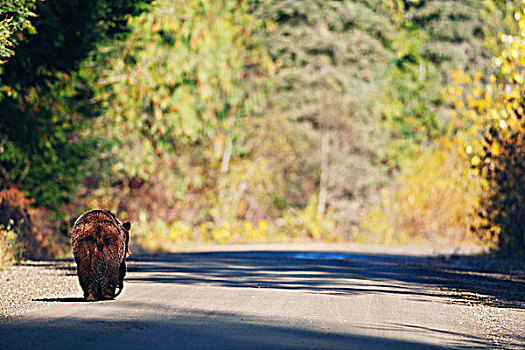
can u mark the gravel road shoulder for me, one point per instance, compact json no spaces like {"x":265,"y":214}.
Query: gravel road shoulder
{"x":21,"y":286}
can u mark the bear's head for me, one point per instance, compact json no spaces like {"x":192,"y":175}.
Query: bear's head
{"x":125,"y":227}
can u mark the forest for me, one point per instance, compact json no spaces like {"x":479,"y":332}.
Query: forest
{"x":232,"y":121}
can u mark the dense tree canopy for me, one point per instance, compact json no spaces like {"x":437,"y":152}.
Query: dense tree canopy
{"x":45,"y":104}
{"x":234,"y":119}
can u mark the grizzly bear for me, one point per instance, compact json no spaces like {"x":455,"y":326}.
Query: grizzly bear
{"x":100,"y":245}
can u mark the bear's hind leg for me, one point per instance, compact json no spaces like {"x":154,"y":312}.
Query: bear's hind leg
{"x":90,"y":292}
{"x":90,"y":297}
{"x":122,"y":274}
{"x":110,"y":282}
{"x":88,"y":285}
{"x":109,"y":291}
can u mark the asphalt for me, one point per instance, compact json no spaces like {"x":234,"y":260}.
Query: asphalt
{"x":283,"y":297}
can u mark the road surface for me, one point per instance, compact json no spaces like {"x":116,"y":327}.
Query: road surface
{"x":285,"y":297}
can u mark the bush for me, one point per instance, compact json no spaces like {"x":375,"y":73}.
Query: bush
{"x":433,"y":201}
{"x":502,"y":205}
{"x":10,"y":248}
{"x":493,"y":115}
{"x":26,"y":232}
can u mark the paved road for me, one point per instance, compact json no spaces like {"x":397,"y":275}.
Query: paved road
{"x":282,"y":297}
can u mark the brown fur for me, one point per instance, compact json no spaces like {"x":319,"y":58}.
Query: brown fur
{"x":100,"y":243}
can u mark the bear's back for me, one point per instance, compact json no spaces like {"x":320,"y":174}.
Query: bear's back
{"x":98,"y":226}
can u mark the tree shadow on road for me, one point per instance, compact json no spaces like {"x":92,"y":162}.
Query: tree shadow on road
{"x":330,"y":273}
{"x":339,"y":274}
{"x":162,"y":328}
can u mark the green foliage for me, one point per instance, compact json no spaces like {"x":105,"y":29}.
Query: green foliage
{"x":179,"y":80}
{"x":409,"y":114}
{"x":236,"y":120}
{"x":434,"y":39}
{"x":14,"y":19}
{"x":296,"y":224}
{"x":45,"y":104}
{"x":455,"y":31}
{"x":331,"y":59}
{"x":176,"y":92}
{"x":428,"y":140}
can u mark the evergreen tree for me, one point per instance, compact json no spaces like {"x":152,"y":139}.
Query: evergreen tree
{"x":434,"y":39}
{"x":332,"y":59}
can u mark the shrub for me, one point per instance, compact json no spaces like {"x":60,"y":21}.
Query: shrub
{"x":434,"y":201}
{"x":493,"y":115}
{"x":10,"y":248}
{"x":27,"y":232}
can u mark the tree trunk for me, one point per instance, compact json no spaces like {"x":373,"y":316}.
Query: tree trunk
{"x":323,"y":181}
{"x":225,"y":166}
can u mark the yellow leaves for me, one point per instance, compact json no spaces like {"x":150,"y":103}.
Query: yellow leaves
{"x":458,"y":104}
{"x":10,"y":248}
{"x":8,"y":234}
{"x":506,"y":69}
{"x":521,"y":25}
{"x":484,"y":184}
{"x":493,"y":114}
{"x":234,"y":231}
{"x":316,"y":231}
{"x":221,"y":234}
{"x":417,"y":210}
{"x":309,"y":223}
{"x":247,"y":226}
{"x":472,"y":103}
{"x":495,"y":137}
{"x":263,"y":226}
{"x":460,"y":77}
{"x":478,"y":76}
{"x":180,"y":231}
{"x":496,"y":149}
{"x":515,"y":94}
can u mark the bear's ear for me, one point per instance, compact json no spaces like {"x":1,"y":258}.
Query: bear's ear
{"x":126,"y":225}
